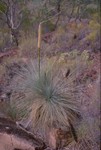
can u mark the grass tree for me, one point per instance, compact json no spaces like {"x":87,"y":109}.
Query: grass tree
{"x":48,"y":100}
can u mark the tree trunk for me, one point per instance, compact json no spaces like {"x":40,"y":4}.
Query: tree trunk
{"x":14,"y":37}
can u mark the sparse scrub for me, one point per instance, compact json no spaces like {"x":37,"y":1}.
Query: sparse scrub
{"x":28,"y":47}
{"x":50,"y":78}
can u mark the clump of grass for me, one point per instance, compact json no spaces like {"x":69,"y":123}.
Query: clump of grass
{"x":49,"y":101}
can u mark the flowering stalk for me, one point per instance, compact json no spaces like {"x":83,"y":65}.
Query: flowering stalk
{"x":39,"y":44}
{"x":40,"y":38}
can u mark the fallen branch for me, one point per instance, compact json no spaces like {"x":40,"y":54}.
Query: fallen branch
{"x":12,"y":128}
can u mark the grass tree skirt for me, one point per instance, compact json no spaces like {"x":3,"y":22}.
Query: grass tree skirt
{"x":14,"y":137}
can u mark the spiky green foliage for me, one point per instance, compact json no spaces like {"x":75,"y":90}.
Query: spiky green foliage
{"x":49,"y":100}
